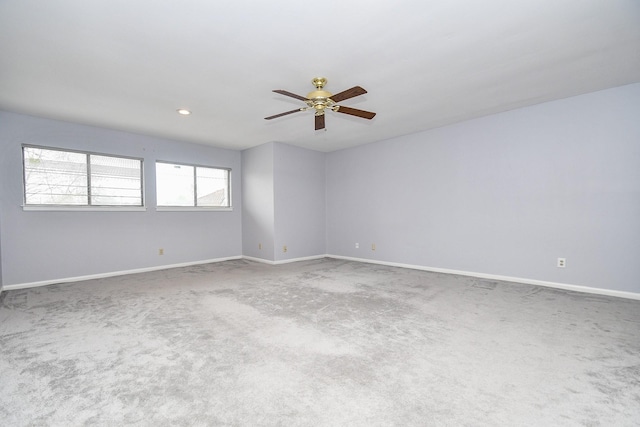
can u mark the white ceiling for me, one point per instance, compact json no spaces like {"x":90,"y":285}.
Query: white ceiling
{"x":129,"y":64}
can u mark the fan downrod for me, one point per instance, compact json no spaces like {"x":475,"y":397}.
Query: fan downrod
{"x":319,"y":82}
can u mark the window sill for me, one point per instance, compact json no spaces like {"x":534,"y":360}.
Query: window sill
{"x":192,"y":209}
{"x":86,"y":208}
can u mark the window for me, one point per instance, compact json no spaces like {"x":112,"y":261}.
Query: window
{"x":179,"y":185}
{"x":54,"y":177}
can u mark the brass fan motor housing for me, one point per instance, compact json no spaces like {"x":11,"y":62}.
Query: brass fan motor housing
{"x":319,"y":99}
{"x":319,"y":94}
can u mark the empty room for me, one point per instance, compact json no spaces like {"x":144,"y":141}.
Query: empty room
{"x":343,"y":213}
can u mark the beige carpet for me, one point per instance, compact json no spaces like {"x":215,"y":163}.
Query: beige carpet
{"x":316,"y":343}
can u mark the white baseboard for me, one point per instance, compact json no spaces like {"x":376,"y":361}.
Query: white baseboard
{"x":260,"y":260}
{"x":568,"y":287}
{"x":114,"y":273}
{"x":284,"y":261}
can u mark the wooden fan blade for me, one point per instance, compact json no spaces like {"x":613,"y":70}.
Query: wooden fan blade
{"x":293,"y":95}
{"x":355,"y":112}
{"x":320,"y":122}
{"x":283,"y":114}
{"x":349,"y":93}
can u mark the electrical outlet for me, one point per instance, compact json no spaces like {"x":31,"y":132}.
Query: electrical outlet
{"x":260,"y":246}
{"x":373,"y":246}
{"x":160,"y":251}
{"x":357,"y":245}
{"x":562,"y":262}
{"x":284,"y":248}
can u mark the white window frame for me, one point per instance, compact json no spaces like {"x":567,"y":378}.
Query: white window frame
{"x":88,"y":206}
{"x":167,"y":208}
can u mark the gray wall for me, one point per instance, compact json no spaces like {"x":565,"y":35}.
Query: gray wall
{"x":258,"y":224}
{"x":299,"y":185}
{"x":284,"y":202}
{"x":506,"y":194}
{"x":1,"y":280}
{"x":49,"y":245}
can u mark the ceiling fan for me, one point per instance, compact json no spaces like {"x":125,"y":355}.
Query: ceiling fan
{"x":320,"y":100}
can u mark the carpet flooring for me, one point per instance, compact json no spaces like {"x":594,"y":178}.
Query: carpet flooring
{"x":315,"y":343}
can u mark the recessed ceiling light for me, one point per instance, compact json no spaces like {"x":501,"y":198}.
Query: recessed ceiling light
{"x":183,"y":111}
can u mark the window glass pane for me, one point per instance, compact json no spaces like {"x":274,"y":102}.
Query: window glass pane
{"x":55,"y":177}
{"x":212,"y":185}
{"x":174,"y":185}
{"x":115,"y":181}
{"x":59,"y":177}
{"x":177,"y":185}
